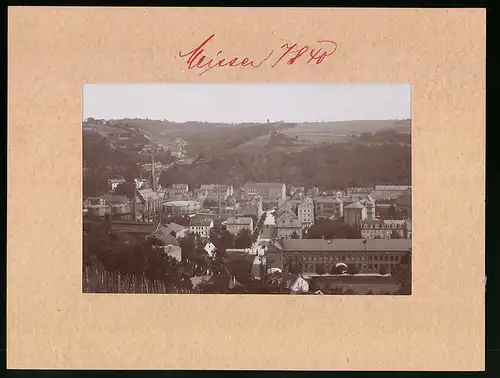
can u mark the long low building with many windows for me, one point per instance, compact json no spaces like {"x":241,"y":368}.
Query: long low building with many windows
{"x":367,"y":255}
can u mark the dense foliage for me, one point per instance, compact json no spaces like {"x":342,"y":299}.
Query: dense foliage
{"x":102,"y":162}
{"x":329,"y":166}
{"x":330,"y":229}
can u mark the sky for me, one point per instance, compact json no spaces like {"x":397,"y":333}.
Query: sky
{"x":233,"y":103}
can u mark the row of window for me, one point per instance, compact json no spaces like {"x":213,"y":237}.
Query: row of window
{"x":344,"y":258}
{"x":312,"y":267}
{"x":381,"y":232}
{"x":382,"y":226}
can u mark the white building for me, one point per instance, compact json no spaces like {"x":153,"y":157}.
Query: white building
{"x":201,"y":225}
{"x":265,"y":190}
{"x":390,"y":191}
{"x":385,"y":229}
{"x":113,"y":183}
{"x":305,"y":212}
{"x":288,"y":282}
{"x":235,"y":224}
{"x":288,"y":225}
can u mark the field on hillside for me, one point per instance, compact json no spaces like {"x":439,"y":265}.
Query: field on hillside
{"x":348,"y":127}
{"x":318,"y":138}
{"x":261,"y":143}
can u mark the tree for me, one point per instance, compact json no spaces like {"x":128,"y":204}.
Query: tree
{"x":321,"y":269}
{"x":313,"y":285}
{"x":179,"y":219}
{"x":185,"y":284}
{"x":125,"y":189}
{"x":226,"y":240}
{"x":383,"y":270}
{"x":402,"y":273}
{"x":391,"y":212}
{"x":188,"y":246}
{"x":338,"y":269}
{"x":217,"y":263}
{"x":329,"y":229}
{"x":352,"y":269}
{"x":94,"y":184}
{"x":243,"y":239}
{"x":395,"y":235}
{"x":353,"y":233}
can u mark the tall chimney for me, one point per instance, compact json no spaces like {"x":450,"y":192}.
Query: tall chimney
{"x":153,"y":176}
{"x":134,"y":205}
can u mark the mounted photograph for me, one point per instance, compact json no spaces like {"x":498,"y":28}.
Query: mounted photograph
{"x":293,"y":189}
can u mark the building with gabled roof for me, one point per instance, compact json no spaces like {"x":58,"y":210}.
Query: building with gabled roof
{"x":354,"y":213}
{"x":201,"y":225}
{"x":175,"y":229}
{"x":288,"y":225}
{"x":305,"y":212}
{"x":113,"y":183}
{"x":266,"y":190}
{"x":328,"y":207}
{"x":384,"y":228}
{"x":163,"y":235}
{"x":289,"y":283}
{"x":235,"y":224}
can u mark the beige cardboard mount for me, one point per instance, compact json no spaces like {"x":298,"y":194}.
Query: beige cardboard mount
{"x":53,"y":52}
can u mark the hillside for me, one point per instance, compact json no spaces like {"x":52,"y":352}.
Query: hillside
{"x":326,"y":166}
{"x":303,"y":136}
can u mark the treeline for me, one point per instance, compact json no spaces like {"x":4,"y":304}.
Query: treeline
{"x":385,"y":136}
{"x":328,"y":166}
{"x":102,"y":162}
{"x":332,"y":229}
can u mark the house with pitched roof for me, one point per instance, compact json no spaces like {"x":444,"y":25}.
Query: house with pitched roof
{"x":383,"y":228}
{"x":163,"y":235}
{"x":288,"y":226}
{"x":269,"y":191}
{"x":201,"y":225}
{"x":142,"y":229}
{"x":235,"y":224}
{"x":166,"y":242}
{"x":355,"y":213}
{"x":113,"y":183}
{"x":176,"y":230}
{"x":286,"y":283}
{"x":305,"y":212}
{"x":328,"y":207}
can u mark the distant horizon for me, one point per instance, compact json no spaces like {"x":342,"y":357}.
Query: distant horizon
{"x":248,"y":103}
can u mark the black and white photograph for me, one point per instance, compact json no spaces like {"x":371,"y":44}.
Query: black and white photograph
{"x":290,"y":189}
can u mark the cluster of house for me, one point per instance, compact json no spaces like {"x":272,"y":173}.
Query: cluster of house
{"x":287,"y":217}
{"x":177,"y":148}
{"x":242,"y":208}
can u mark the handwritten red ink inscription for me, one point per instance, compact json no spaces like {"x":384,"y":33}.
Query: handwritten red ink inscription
{"x":289,"y":54}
